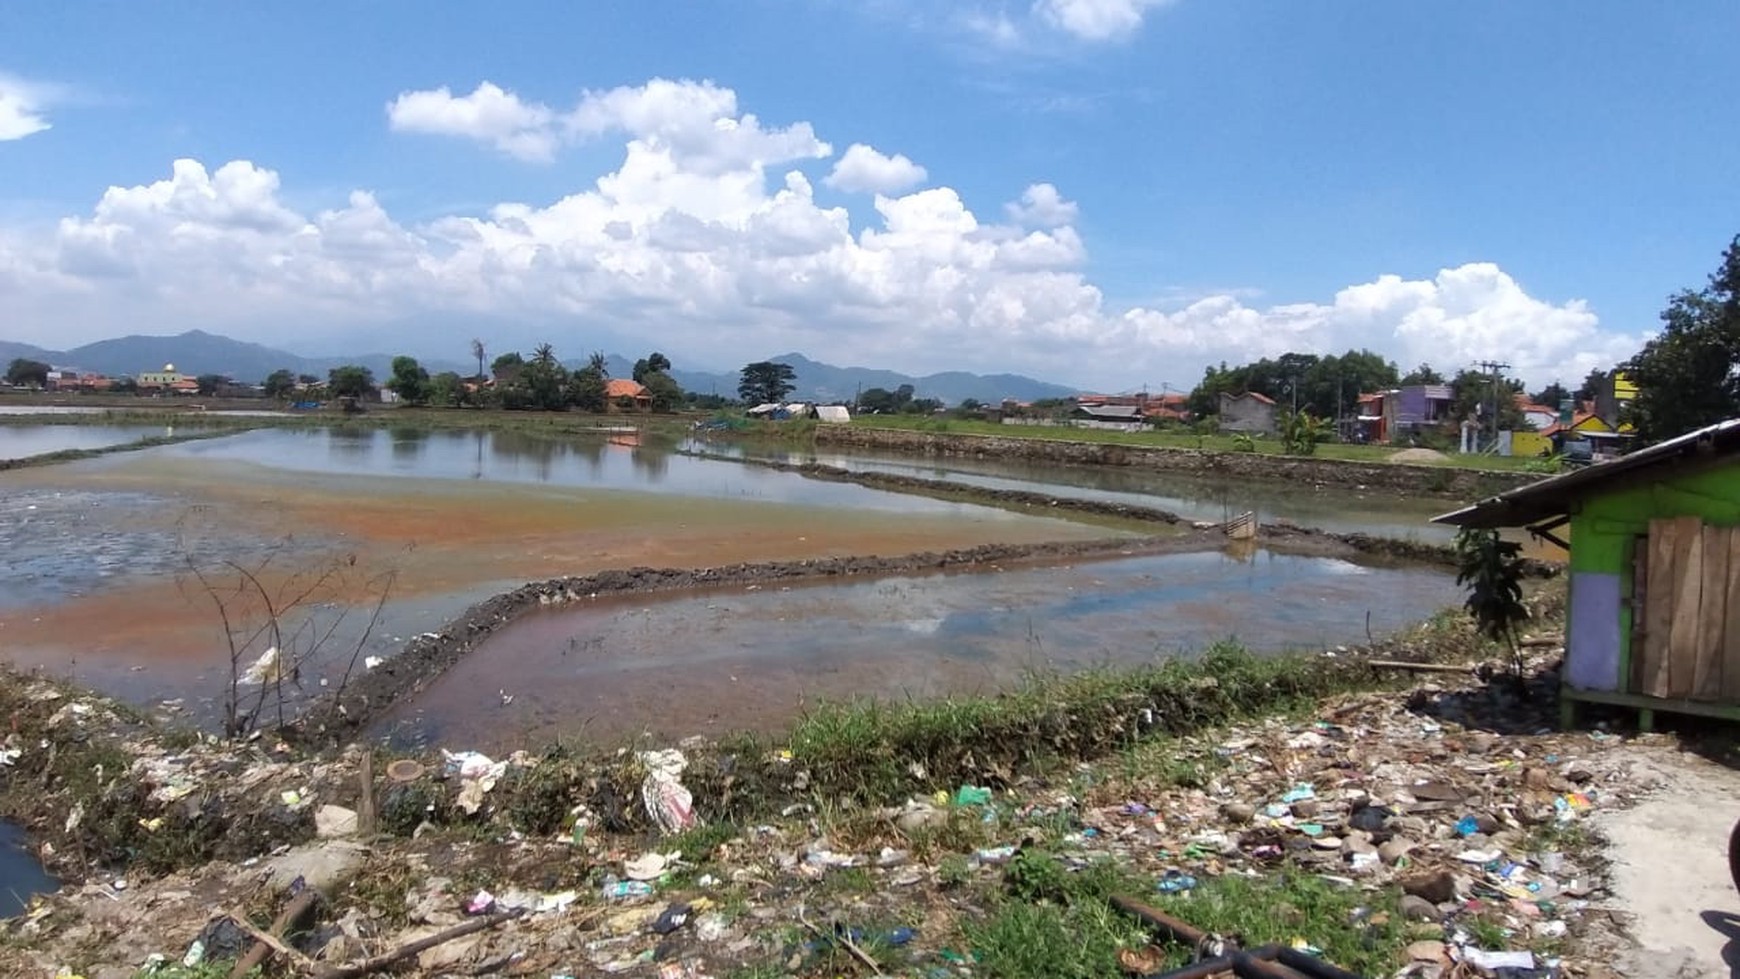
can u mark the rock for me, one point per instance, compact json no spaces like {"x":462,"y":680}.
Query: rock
{"x":1306,"y":808}
{"x":1418,"y":908}
{"x":1577,"y":772}
{"x":1412,"y":827}
{"x":1426,"y":952}
{"x":1327,"y":842}
{"x":919,"y":815}
{"x":1537,"y":779}
{"x":1486,"y":823}
{"x":320,"y":865}
{"x":1392,"y":852}
{"x":1437,"y":888}
{"x":1357,"y":842}
{"x":445,"y":955}
{"x":1238,"y":812}
{"x":332,"y":822}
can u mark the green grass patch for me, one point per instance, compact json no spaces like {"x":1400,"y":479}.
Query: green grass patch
{"x":877,"y":752}
{"x":1160,"y":439}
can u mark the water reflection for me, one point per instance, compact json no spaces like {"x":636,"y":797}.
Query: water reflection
{"x":728,"y":659}
{"x":24,"y":441}
{"x":591,"y":460}
{"x":408,"y":443}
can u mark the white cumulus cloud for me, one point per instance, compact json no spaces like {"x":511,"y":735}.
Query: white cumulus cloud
{"x":1042,"y":206}
{"x":23,"y":108}
{"x":703,"y":242}
{"x":695,"y":123}
{"x":862,"y":169}
{"x":489,"y":114}
{"x":1096,"y":20}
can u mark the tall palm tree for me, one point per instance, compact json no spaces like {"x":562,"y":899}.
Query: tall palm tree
{"x":477,"y":351}
{"x":544,"y":355}
{"x":597,"y":363}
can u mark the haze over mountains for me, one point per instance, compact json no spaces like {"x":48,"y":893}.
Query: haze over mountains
{"x":198,"y":352}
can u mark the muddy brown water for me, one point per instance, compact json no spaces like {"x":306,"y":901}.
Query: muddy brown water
{"x":752,"y":658}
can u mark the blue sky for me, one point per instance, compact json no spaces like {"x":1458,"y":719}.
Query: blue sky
{"x":1106,"y":192}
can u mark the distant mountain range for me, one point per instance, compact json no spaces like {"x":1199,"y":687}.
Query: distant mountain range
{"x":198,"y":352}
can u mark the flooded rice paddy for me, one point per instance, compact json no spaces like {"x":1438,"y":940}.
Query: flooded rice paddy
{"x":24,"y":441}
{"x":750,"y":658}
{"x":102,"y":581}
{"x":119,"y":566}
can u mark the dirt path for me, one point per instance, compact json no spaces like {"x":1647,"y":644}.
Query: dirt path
{"x":1670,"y":872}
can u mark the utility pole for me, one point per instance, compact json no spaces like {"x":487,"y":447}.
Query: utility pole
{"x":1493,"y":367}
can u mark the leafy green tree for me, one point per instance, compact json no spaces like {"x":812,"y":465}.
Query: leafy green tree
{"x":1593,"y":384}
{"x":586,"y":387}
{"x":705,"y":402}
{"x":279,"y":384}
{"x":306,"y":380}
{"x":1491,"y":569}
{"x":765,"y":381}
{"x":125,"y":385}
{"x":1423,"y":374}
{"x":666,"y":394}
{"x":1473,"y":393}
{"x":24,"y":372}
{"x":507,"y":367}
{"x":409,"y":381}
{"x":351,"y":381}
{"x":1551,"y":395}
{"x":646,"y":365}
{"x":879,"y":401}
{"x":1301,"y":431}
{"x":545,"y":380}
{"x":209,"y":384}
{"x":448,"y":390}
{"x":1689,"y":375}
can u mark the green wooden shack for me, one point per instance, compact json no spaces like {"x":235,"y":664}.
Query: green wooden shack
{"x":1654,"y":615}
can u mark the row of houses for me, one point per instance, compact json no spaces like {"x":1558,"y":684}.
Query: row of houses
{"x":166,"y":381}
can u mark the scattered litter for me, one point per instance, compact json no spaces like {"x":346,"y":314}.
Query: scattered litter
{"x":666,"y":800}
{"x":626,"y":890}
{"x":477,"y":775}
{"x":972,"y":795}
{"x":647,"y":866}
{"x":1175,"y":882}
{"x":267,"y":669}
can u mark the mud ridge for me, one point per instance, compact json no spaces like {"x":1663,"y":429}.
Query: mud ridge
{"x":74,"y":455}
{"x":942,"y":487}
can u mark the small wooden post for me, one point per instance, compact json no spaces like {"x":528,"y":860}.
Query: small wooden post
{"x":365,"y":804}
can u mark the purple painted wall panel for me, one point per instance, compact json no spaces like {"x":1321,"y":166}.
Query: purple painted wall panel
{"x":1592,"y":656}
{"x":1411,"y":404}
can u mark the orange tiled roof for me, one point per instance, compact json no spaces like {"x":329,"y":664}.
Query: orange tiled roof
{"x":624,"y":388}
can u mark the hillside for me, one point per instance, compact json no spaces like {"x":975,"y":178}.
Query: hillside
{"x":198,"y":352}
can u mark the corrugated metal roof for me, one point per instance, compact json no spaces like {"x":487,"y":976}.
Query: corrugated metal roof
{"x":1551,"y":497}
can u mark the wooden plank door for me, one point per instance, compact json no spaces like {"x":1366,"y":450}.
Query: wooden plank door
{"x":1686,"y":620}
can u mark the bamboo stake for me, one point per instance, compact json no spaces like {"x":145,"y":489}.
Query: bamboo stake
{"x":1397,"y":664}
{"x":266,"y":942}
{"x":382,"y":961}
